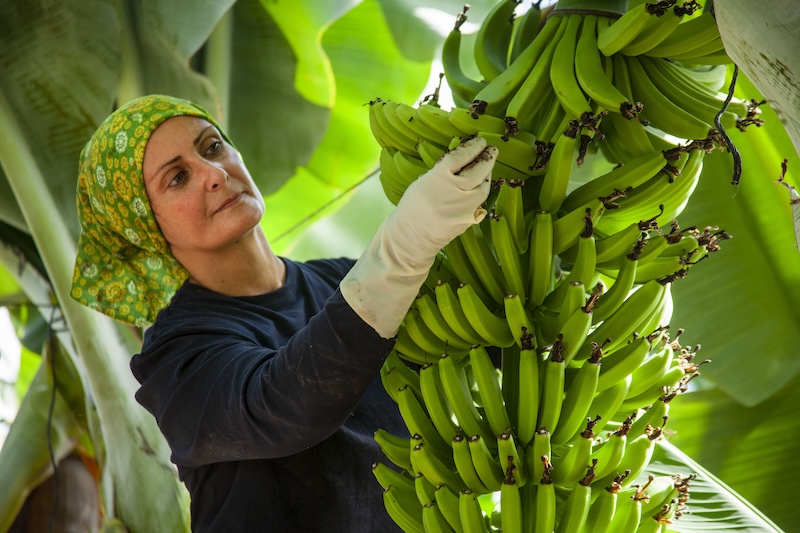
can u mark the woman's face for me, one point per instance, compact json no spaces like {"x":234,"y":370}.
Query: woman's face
{"x":201,"y":193}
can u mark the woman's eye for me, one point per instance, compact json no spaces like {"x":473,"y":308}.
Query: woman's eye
{"x":178,"y":179}
{"x":215,"y":147}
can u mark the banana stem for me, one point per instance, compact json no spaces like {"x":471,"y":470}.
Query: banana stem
{"x":615,"y":7}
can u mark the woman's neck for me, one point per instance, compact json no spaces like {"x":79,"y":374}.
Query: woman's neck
{"x":248,"y":267}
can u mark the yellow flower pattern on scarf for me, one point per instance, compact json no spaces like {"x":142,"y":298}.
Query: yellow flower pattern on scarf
{"x":124,"y":268}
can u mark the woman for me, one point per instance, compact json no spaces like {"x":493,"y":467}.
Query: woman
{"x":262,"y":372}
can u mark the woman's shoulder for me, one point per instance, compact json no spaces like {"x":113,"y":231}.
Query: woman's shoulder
{"x":334,"y":268}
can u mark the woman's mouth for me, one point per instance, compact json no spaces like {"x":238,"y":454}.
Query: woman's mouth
{"x":229,"y":202}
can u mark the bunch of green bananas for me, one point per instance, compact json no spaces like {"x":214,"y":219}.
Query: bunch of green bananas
{"x":602,"y":116}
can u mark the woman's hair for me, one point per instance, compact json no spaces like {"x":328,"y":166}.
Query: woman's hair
{"x":124,"y":267}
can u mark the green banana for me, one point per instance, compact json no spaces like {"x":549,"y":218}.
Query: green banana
{"x":623,"y":322}
{"x":692,"y":96}
{"x":457,"y":391}
{"x":434,"y":469}
{"x":476,"y":246}
{"x":559,"y":169}
{"x":424,"y":489}
{"x":528,"y":405}
{"x":435,"y":401}
{"x":632,"y":174}
{"x":396,"y":373}
{"x":712,"y":53}
{"x":508,"y":257}
{"x":535,"y":90}
{"x":659,"y":110}
{"x":472,"y":123}
{"x":655,"y":31}
{"x":606,"y":403}
{"x":623,"y":361}
{"x":630,"y":137}
{"x":492,"y":328}
{"x":457,"y":261}
{"x":613,"y":298}
{"x":638,"y":453}
{"x":576,"y":508}
{"x":493,"y":99}
{"x":396,"y":448}
{"x":559,"y":306}
{"x":578,"y":399}
{"x":688,"y":80}
{"x":433,"y":519}
{"x":512,"y":458}
{"x":463,"y":87}
{"x":527,"y":28}
{"x":493,"y":40}
{"x":619,"y":245}
{"x":391,"y":181}
{"x":570,"y":464}
{"x":510,"y":205}
{"x":535,"y":453}
{"x":432,"y":317}
{"x":590,"y":72}
{"x":437,"y":119}
{"x":628,"y":513}
{"x":661,"y":490}
{"x":516,"y":152}
{"x":408,"y":518}
{"x":486,"y":465}
{"x":452,"y":312}
{"x":510,"y":506}
{"x":562,"y":71}
{"x":407,"y":349}
{"x":545,"y":506}
{"x":602,"y":509}
{"x":465,"y":467}
{"x":540,"y":263}
{"x":647,"y":374}
{"x":469,"y":510}
{"x":625,"y":29}
{"x":421,"y":335}
{"x":520,"y":322}
{"x":552,"y":395}
{"x":407,"y":115}
{"x":487,"y":380}
{"x":568,"y":228}
{"x":575,"y":330}
{"x":410,"y":168}
{"x":418,"y":423}
{"x":690,"y":37}
{"x":667,"y":381}
{"x":387,"y":476}
{"x":429,"y":152}
{"x":394,"y":137}
{"x":447,"y":502}
{"x":610,"y":452}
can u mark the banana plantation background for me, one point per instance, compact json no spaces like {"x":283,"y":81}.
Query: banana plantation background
{"x":290,"y":82}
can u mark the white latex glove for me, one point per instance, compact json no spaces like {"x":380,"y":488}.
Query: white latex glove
{"x":434,"y":210}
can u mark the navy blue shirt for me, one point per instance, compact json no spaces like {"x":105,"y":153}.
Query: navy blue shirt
{"x":269,"y":404}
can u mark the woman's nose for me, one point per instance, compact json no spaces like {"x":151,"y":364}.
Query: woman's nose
{"x":216,"y":176}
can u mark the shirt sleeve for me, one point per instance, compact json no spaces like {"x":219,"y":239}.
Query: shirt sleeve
{"x":229,"y":399}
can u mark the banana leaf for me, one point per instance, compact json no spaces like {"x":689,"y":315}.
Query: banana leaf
{"x":712,"y":506}
{"x":25,"y":457}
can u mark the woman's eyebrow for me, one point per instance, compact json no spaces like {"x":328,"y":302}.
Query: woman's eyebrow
{"x":178,"y":158}
{"x":200,"y":135}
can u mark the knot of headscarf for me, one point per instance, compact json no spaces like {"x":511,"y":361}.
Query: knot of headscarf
{"x":124,"y":267}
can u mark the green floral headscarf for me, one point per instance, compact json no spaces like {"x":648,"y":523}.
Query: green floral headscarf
{"x":124,"y":267}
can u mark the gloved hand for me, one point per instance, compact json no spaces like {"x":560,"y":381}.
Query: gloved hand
{"x":440,"y":205}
